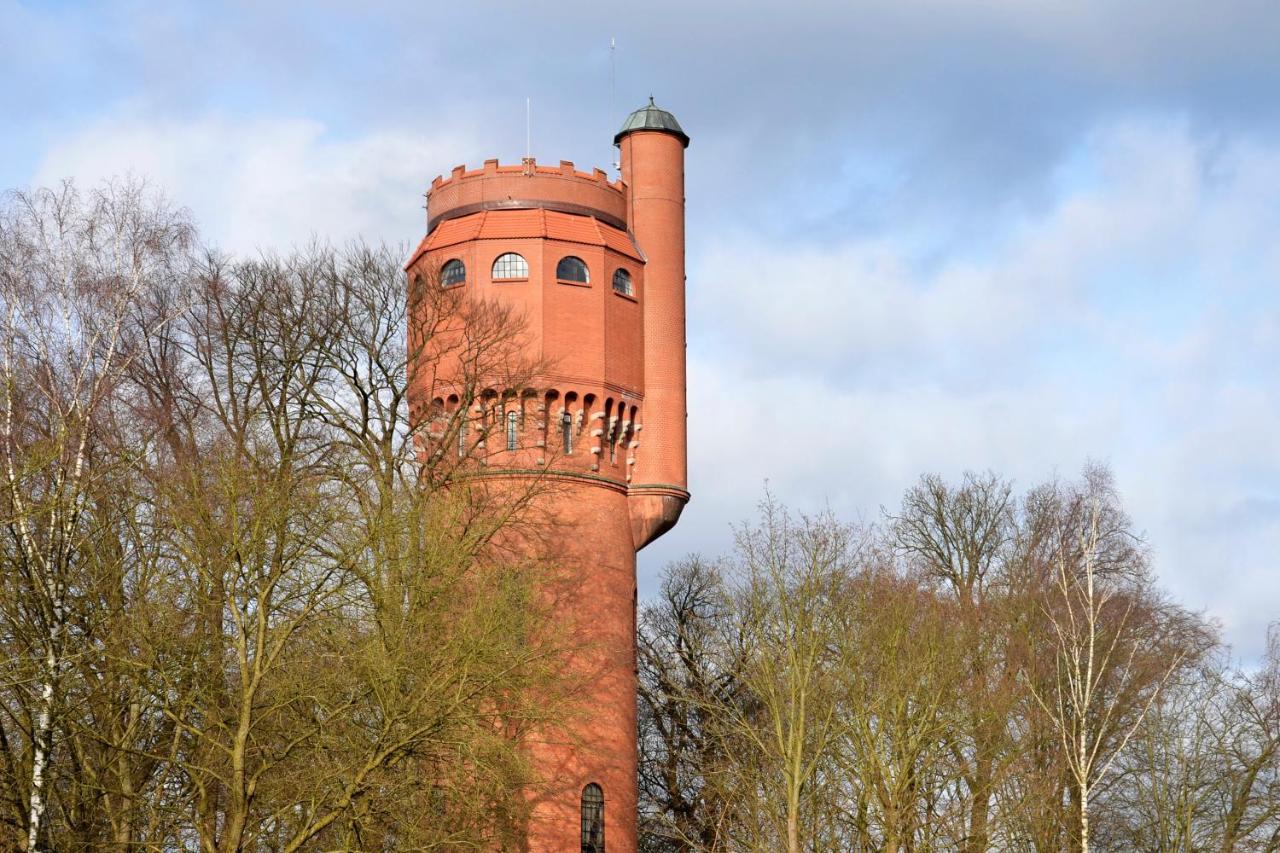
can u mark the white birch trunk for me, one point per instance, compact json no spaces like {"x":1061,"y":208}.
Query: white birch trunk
{"x":41,"y":738}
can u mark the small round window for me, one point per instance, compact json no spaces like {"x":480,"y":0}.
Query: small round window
{"x":622,"y":282}
{"x":453,"y":273}
{"x":510,"y":265}
{"x":572,"y":269}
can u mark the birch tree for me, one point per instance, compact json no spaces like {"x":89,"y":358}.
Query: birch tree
{"x":1111,"y":658}
{"x":72,"y":268}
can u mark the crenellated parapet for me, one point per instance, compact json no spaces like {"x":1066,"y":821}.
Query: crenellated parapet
{"x":496,"y":187}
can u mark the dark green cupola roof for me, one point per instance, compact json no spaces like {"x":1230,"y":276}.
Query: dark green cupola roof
{"x":651,"y":117}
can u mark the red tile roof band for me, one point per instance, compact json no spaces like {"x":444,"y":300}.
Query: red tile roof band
{"x":518,"y":224}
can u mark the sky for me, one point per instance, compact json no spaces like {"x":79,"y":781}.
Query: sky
{"x":924,"y":236}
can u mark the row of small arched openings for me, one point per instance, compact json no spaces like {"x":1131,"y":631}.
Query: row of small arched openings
{"x":567,"y":422}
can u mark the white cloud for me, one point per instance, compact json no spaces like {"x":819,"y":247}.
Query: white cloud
{"x":1133,"y":321}
{"x":267,"y":182}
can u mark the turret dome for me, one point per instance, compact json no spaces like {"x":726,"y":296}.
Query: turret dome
{"x":652,"y":117}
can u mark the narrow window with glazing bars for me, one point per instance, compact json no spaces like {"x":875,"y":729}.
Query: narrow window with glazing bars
{"x":513,"y":422}
{"x":593,"y":819}
{"x":566,"y":431}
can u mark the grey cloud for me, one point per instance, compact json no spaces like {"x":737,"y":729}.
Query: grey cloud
{"x":973,"y":301}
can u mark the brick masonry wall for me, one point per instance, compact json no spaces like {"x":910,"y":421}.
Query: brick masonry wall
{"x":611,"y":360}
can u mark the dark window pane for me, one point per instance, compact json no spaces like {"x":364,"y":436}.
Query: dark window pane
{"x":453,"y":273}
{"x":592,"y":819}
{"x":622,"y":282}
{"x":572,"y":269}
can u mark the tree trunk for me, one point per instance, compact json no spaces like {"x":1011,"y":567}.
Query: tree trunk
{"x":1084,"y":820}
{"x":41,"y":746}
{"x":980,"y":806}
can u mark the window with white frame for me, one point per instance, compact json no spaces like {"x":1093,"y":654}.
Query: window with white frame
{"x":510,"y":265}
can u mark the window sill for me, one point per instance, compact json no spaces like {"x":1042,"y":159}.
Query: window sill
{"x":573,"y":283}
{"x":510,"y":280}
{"x":626,"y":296}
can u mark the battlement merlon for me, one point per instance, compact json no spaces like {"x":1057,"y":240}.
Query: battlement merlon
{"x":527,"y":185}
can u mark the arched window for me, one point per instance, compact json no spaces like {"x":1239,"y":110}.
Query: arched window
{"x":622,"y":282}
{"x":513,"y":420}
{"x":453,"y":272}
{"x":510,"y":265}
{"x":566,"y":431}
{"x":592,"y":819}
{"x":572,"y":269}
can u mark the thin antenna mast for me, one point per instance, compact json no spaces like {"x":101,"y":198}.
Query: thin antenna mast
{"x":613,"y":92}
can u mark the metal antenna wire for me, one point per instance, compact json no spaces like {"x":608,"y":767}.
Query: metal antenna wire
{"x":613,"y":93}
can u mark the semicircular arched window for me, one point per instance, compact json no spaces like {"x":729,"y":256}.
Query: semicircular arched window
{"x":593,"y":819}
{"x":453,"y":272}
{"x":572,"y":269}
{"x":622,"y":282}
{"x":510,"y":265}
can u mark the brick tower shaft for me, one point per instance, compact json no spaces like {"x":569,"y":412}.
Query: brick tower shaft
{"x":594,"y":270}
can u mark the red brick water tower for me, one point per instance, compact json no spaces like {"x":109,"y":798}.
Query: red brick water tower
{"x":596,"y":268}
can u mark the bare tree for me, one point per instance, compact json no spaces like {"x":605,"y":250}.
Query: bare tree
{"x":72,"y":268}
{"x":1248,"y":745}
{"x":1112,"y":655}
{"x":686,"y":672}
{"x":926,"y":686}
{"x":787,"y":618}
{"x":352,"y":637}
{"x":960,"y":539}
{"x":901,"y":706}
{"x":242,"y":593}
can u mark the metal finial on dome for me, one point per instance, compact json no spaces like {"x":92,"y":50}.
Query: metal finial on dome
{"x":652,"y":117}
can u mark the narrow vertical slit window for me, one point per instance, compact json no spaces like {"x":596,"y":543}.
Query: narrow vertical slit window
{"x":566,"y":431}
{"x":593,"y":819}
{"x":462,"y":439}
{"x":513,"y":421}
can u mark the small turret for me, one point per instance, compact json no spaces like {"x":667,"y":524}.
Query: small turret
{"x":652,"y":147}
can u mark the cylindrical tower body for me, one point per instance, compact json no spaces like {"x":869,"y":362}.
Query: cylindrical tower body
{"x":652,"y":159}
{"x":565,"y":250}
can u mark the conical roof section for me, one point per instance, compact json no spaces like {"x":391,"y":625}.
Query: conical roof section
{"x":652,"y":117}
